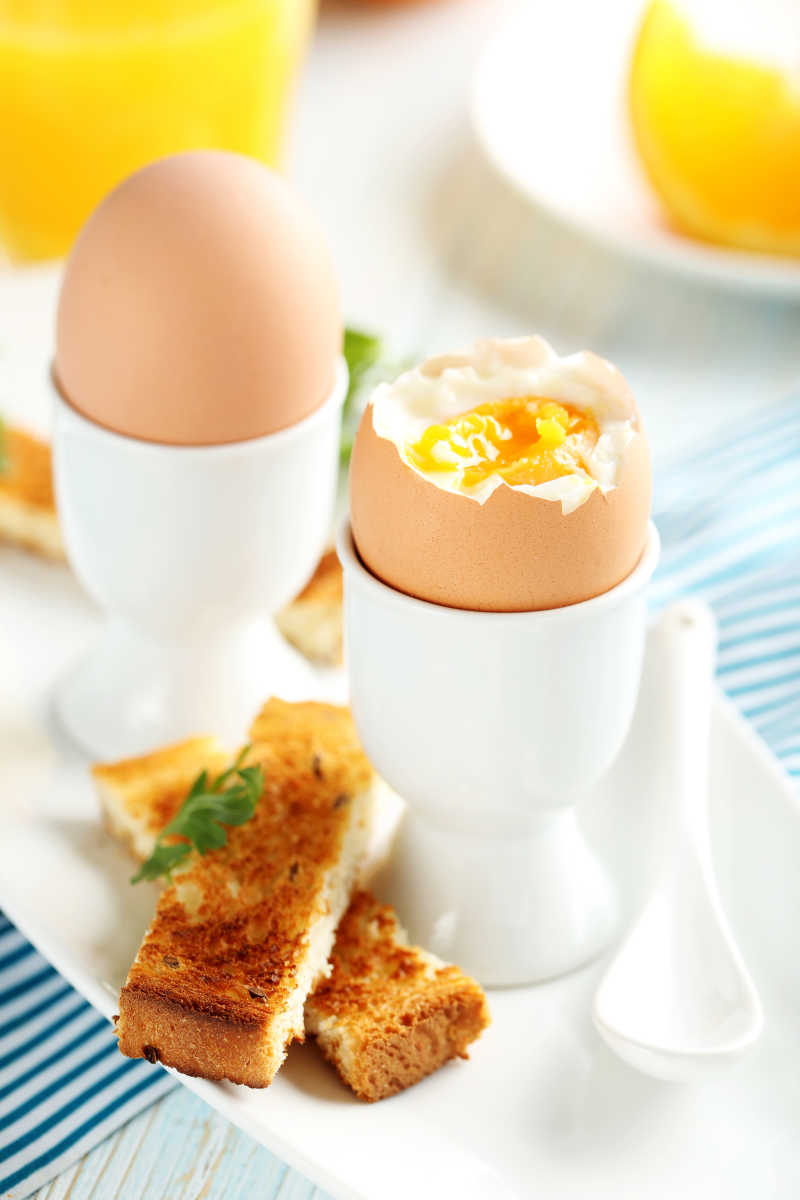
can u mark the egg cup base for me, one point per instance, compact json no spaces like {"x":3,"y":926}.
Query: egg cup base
{"x":510,"y":909}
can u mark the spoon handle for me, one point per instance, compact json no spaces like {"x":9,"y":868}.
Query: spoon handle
{"x":686,"y":638}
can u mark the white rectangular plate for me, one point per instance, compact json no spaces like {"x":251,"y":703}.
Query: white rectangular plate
{"x":542,"y":1108}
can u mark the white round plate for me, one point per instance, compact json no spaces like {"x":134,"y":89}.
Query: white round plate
{"x":548,"y":106}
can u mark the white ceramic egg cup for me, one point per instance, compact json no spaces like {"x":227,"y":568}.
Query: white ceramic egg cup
{"x":492,"y":726}
{"x":189,"y":551}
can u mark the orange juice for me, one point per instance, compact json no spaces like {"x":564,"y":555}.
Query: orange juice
{"x":90,"y":90}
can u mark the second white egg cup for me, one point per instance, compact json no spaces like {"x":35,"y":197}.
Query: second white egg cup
{"x":189,"y":551}
{"x":493,"y":726}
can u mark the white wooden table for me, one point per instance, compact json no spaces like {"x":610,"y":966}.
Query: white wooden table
{"x":434,"y":250}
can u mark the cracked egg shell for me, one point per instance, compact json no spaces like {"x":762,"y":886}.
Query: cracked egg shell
{"x":513,"y":553}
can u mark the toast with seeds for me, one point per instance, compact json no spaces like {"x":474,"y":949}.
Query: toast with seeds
{"x":241,"y":934}
{"x":27,"y":507}
{"x":388,"y":1014}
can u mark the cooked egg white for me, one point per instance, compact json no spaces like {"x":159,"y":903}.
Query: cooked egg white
{"x":494,"y":370}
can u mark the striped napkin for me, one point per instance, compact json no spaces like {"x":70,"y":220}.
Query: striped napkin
{"x":729,"y":516}
{"x":64,"y":1086}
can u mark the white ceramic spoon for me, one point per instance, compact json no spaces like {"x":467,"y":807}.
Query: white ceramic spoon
{"x":677,"y":1001}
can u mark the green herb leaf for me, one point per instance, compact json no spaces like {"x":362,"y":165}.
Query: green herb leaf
{"x":204,"y":816}
{"x":368,"y":365}
{"x":361,"y":351}
{"x":162,"y":861}
{"x":222,"y":779}
{"x":4,"y":462}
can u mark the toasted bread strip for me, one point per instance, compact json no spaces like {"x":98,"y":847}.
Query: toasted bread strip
{"x":240,"y":937}
{"x":389,"y":1014}
{"x":141,"y":795}
{"x":312,"y":622}
{"x":27,"y":507}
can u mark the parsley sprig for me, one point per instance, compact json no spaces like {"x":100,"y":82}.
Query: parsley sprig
{"x":4,"y":463}
{"x":368,"y":364}
{"x":210,"y":806}
{"x":361,"y":351}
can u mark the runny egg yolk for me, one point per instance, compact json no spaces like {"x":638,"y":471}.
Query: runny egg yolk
{"x":524,"y":440}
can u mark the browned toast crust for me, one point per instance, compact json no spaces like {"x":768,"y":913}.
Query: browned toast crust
{"x":194,"y":1041}
{"x":325,"y":585}
{"x":30,"y":474}
{"x":27,"y":504}
{"x":312,"y":622}
{"x":228,"y":950}
{"x":390,"y":1014}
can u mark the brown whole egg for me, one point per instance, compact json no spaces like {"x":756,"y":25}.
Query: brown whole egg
{"x":495,"y":546}
{"x":199,"y":305}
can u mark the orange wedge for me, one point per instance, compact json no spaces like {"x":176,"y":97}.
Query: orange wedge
{"x":719,"y":137}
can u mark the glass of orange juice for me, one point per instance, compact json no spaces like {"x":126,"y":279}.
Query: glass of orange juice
{"x":90,"y":90}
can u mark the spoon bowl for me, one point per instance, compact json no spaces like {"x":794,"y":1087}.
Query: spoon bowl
{"x":677,"y":1001}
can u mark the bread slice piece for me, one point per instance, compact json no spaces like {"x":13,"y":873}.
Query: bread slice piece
{"x":242,"y":934}
{"x":390,"y":1013}
{"x":27,"y":507}
{"x":312,"y":622}
{"x":139,"y":796}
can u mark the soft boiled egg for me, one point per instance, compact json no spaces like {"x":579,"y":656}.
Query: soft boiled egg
{"x":199,"y":305}
{"x":503,"y":479}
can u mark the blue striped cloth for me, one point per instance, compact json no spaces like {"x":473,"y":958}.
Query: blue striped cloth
{"x":63,"y":1084}
{"x":729,"y":516}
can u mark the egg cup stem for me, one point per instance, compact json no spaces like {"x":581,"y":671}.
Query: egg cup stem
{"x":510,"y":909}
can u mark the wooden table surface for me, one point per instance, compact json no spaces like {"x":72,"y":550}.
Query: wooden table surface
{"x":180,"y":1150}
{"x":434,"y":250}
